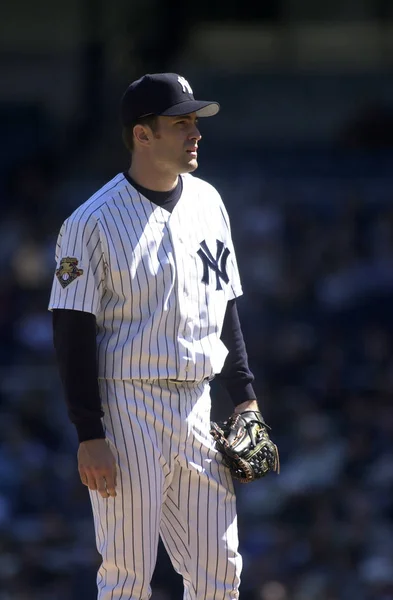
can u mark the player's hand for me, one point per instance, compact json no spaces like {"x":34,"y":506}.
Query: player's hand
{"x":97,"y":467}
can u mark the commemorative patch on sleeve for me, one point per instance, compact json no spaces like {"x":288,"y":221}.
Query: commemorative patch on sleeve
{"x":68,"y":271}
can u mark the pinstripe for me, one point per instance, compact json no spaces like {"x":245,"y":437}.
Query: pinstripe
{"x":86,"y":286}
{"x":97,"y":265}
{"x":212,"y":314}
{"x":208,"y":538}
{"x":162,"y":413}
{"x":218,"y":506}
{"x":197,"y":556}
{"x":174,"y":334}
{"x":67,"y":252}
{"x":106,"y":537}
{"x":56,"y":294}
{"x":170,"y":531}
{"x":123,"y":346}
{"x":227,"y":521}
{"x":158,"y":330}
{"x":139,"y":290}
{"x":125,"y":446}
{"x":175,"y":539}
{"x":136,"y":518}
{"x":232,"y":516}
{"x":204,"y":368}
{"x":178,"y":522}
{"x":165,"y":351}
{"x":176,"y":556}
{"x":146,"y":281}
{"x":151,"y":517}
{"x":172,"y":418}
{"x":205,"y":302}
{"x":177,"y":313}
{"x":91,"y":235}
{"x":97,"y":520}
{"x":78,"y":217}
{"x":102,"y":573}
{"x":143,"y":480}
{"x":188,"y":506}
{"x":100,"y":579}
{"x":142,"y":287}
{"x":116,"y":537}
{"x":171,"y":430}
{"x":122,"y":291}
{"x":106,"y":353}
{"x":103,"y":324}
{"x":188,"y":288}
{"x":156,"y":293}
{"x":198,"y":504}
{"x":157,"y":490}
{"x":161,"y":279}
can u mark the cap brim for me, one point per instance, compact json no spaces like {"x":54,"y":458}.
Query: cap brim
{"x":201,"y":108}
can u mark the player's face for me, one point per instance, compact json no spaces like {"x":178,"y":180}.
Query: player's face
{"x":175,"y":144}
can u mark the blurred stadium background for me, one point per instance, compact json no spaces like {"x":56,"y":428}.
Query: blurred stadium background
{"x":302,"y":154}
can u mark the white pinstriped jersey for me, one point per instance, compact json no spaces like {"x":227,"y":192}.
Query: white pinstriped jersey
{"x":157,"y":282}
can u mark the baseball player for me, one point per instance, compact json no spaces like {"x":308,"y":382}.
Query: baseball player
{"x":144,"y":317}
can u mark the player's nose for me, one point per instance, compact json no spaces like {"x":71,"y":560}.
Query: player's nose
{"x":195,"y":134}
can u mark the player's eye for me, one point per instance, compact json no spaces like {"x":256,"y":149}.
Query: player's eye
{"x":186,"y":122}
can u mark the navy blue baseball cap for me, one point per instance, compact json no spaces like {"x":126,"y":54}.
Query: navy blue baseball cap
{"x":163,"y":94}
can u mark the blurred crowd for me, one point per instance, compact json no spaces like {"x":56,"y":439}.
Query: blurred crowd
{"x":319,"y":281}
{"x":317,"y":318}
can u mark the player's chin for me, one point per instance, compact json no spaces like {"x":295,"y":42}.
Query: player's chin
{"x":191,"y":165}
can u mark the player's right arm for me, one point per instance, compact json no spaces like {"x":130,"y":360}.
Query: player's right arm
{"x":77,"y":289}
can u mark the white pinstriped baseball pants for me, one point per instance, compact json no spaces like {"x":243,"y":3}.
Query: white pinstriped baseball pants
{"x":169,"y":483}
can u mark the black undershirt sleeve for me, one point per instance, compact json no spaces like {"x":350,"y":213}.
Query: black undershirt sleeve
{"x":235,"y":375}
{"x":74,"y":336}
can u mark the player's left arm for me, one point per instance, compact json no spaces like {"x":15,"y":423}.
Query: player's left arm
{"x":236,"y":375}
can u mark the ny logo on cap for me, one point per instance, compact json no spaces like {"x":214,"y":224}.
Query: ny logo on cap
{"x":185,"y":85}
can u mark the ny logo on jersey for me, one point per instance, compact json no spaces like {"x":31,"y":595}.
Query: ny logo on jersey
{"x":218,"y":264}
{"x":185,"y":85}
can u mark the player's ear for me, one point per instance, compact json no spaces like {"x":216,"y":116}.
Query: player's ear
{"x":143,"y":134}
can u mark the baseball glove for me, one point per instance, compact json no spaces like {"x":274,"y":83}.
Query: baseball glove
{"x":245,"y":445}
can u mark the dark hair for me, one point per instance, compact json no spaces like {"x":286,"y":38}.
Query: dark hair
{"x":128,"y":131}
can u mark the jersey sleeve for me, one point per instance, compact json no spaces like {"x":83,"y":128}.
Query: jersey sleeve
{"x":79,"y":278}
{"x":235,"y":286}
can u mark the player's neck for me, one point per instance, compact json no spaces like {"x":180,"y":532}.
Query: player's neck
{"x":152,"y":179}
